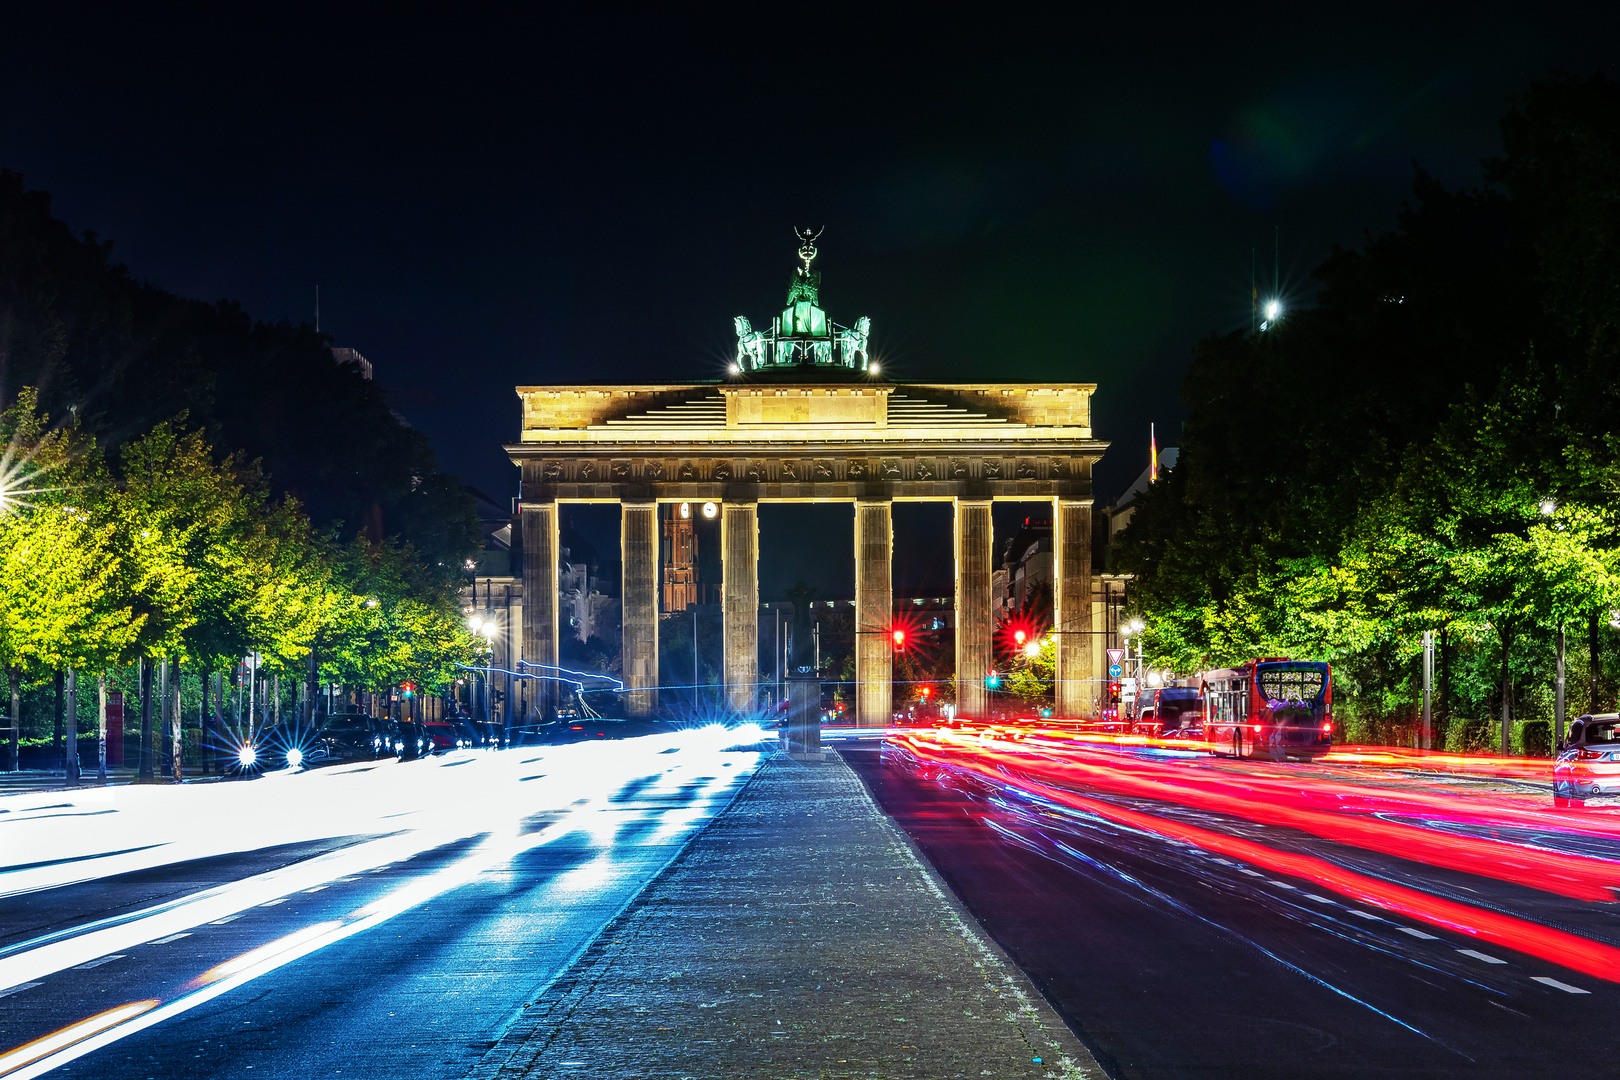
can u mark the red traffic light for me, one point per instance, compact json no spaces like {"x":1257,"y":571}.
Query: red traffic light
{"x":925,"y":691}
{"x":1019,"y":636}
{"x":899,"y":639}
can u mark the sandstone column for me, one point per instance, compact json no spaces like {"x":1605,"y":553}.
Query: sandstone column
{"x":739,"y":553}
{"x":874,"y":613}
{"x":973,"y":617}
{"x":1077,"y":685}
{"x":539,"y":644}
{"x":638,"y":551}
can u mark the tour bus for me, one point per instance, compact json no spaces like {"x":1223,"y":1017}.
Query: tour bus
{"x":1269,"y":707}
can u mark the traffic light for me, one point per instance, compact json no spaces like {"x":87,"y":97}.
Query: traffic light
{"x":925,"y":693}
{"x":1113,"y":691}
{"x":1019,"y":636}
{"x":992,"y":680}
{"x":409,"y":689}
{"x":899,"y":639}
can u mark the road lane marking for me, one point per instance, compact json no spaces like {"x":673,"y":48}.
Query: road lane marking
{"x":98,"y":962}
{"x":273,"y":903}
{"x":1281,"y":884}
{"x":1417,"y":933}
{"x":171,"y":937}
{"x":63,"y":1038}
{"x":226,"y":919}
{"x":1251,"y":873}
{"x":1556,"y":985}
{"x":1318,"y":899}
{"x":317,"y":888}
{"x":1481,"y":956}
{"x":1358,"y":913}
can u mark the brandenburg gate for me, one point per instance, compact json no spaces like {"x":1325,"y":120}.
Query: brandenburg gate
{"x":805,"y":416}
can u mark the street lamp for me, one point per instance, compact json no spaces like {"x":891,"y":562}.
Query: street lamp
{"x":1549,"y":507}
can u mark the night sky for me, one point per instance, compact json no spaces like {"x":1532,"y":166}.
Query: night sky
{"x":571,"y":193}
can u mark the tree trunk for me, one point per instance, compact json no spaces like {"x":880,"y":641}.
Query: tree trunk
{"x":147,"y":772}
{"x":179,"y":728}
{"x":101,"y":726}
{"x":1507,"y":695}
{"x":56,"y":729}
{"x":206,"y":722}
{"x":1595,"y":666}
{"x":72,"y":770}
{"x":1445,"y":685}
{"x":310,"y":689}
{"x":16,"y":717}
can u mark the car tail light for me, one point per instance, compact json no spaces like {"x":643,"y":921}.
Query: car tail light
{"x":1327,"y":728}
{"x":577,"y":727}
{"x":1584,"y":754}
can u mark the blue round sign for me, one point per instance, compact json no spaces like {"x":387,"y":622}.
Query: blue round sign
{"x":1114,"y":671}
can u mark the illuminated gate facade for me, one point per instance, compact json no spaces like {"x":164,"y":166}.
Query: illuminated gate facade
{"x":806,"y":417}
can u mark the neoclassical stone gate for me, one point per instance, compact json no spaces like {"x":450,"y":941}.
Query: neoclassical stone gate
{"x":806,"y":418}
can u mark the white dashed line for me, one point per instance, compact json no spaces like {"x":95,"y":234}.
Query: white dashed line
{"x":1481,"y":956}
{"x":1280,"y":884}
{"x":317,"y":888}
{"x":1417,"y":933}
{"x":1554,"y":983}
{"x":1251,"y":873}
{"x":273,"y":903}
{"x":19,"y":988}
{"x":101,"y":960}
{"x":171,"y":937}
{"x":1318,"y":899}
{"x":1366,"y":915}
{"x":226,"y":919}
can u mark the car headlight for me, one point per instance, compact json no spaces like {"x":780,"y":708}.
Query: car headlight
{"x":295,"y":757}
{"x":247,"y":755}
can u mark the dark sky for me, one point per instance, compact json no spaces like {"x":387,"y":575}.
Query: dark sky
{"x":557,"y":193}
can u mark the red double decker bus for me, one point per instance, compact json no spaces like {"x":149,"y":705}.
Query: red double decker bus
{"x":1270,"y":707}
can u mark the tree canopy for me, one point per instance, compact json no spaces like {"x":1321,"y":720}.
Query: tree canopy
{"x":120,"y":356}
{"x":1431,"y":447}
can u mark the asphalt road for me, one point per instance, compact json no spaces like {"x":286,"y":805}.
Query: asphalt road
{"x":402,"y":949}
{"x":1170,"y":960}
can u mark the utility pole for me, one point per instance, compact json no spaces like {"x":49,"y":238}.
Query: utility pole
{"x":1426,"y":737}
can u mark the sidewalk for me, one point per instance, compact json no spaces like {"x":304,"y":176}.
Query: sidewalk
{"x":797,"y":936}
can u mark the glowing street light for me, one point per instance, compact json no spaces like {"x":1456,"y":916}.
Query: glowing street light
{"x":1549,"y":507}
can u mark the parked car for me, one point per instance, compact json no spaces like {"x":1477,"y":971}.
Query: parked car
{"x":467,"y":734}
{"x":441,"y":736}
{"x":353,"y":737}
{"x":412,"y":741}
{"x":287,"y":745}
{"x":1588,"y":761}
